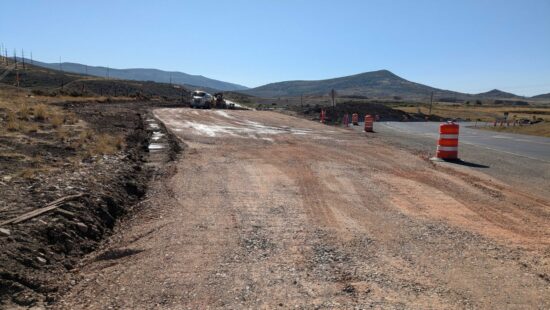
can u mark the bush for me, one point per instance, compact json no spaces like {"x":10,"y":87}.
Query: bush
{"x":106,"y":144}
{"x":57,"y":120}
{"x":24,"y":112}
{"x":38,"y":92}
{"x":12,"y":123}
{"x":40,"y":112}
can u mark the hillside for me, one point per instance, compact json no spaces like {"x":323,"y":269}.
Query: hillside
{"x":541,"y":96}
{"x":496,"y":94}
{"x":139,"y":74}
{"x":51,"y":82}
{"x":375,"y":84}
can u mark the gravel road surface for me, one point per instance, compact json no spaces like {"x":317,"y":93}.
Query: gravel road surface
{"x":265,"y":211}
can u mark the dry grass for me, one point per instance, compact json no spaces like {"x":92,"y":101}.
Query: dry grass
{"x":22,"y":115}
{"x":71,"y":118}
{"x":30,"y":128}
{"x":98,"y":144}
{"x":41,"y":112}
{"x":57,"y":120}
{"x":540,"y":129}
{"x":481,"y":113}
{"x":85,"y":136}
{"x":12,"y":123}
{"x":63,"y":134}
{"x":104,"y":144}
{"x":32,"y":173}
{"x":25,"y":112}
{"x":490,"y":113}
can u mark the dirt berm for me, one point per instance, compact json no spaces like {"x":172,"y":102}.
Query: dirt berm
{"x":384,"y":112}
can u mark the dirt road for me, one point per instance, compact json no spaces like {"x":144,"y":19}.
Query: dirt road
{"x":265,"y":210}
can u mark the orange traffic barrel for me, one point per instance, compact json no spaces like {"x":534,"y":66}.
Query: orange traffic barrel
{"x":369,"y":123}
{"x":355,"y":119}
{"x":447,"y":145}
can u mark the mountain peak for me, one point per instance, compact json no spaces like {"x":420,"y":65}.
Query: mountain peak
{"x":496,"y":93}
{"x":380,"y":83}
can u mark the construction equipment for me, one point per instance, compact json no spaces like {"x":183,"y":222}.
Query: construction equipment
{"x":219,"y":102}
{"x":202,"y":99}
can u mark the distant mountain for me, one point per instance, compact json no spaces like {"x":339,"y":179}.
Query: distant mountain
{"x":139,"y":74}
{"x":542,"y":96}
{"x":375,"y":84}
{"x":496,"y":94}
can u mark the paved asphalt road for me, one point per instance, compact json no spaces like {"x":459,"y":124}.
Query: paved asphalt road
{"x":519,"y":160}
{"x":531,"y":147}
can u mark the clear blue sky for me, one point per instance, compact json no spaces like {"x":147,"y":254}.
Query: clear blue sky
{"x":469,"y":46}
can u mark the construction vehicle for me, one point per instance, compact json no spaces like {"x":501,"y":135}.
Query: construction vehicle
{"x":219,"y":101}
{"x":204,"y":100}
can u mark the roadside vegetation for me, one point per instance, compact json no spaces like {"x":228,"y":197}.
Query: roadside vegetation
{"x":479,"y":113}
{"x":30,"y":124}
{"x":531,"y":120}
{"x":539,"y":129}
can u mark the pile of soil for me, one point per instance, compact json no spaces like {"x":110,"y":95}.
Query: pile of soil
{"x":384,"y":112}
{"x":38,"y":253}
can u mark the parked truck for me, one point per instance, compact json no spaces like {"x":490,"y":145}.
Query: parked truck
{"x":201,"y":100}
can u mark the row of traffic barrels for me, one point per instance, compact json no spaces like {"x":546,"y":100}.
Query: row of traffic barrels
{"x":369,"y":121}
{"x":447,"y":144}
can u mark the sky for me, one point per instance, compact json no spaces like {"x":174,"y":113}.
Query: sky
{"x":468,"y":46}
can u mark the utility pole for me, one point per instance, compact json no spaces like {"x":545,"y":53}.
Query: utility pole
{"x":23,"y":58}
{"x":15,"y":57}
{"x":32,"y":63}
{"x":61,"y":69}
{"x":333,"y":95}
{"x":431,"y":103}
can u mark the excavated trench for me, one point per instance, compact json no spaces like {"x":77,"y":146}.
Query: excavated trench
{"x":39,"y":255}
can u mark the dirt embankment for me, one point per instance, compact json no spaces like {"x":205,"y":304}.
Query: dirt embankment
{"x":337,"y":113}
{"x":38,"y":253}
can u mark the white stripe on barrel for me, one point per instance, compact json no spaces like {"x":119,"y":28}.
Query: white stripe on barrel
{"x":447,"y":148}
{"x":448,"y":136}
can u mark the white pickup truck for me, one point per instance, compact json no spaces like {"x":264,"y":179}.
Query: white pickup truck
{"x":201,"y":99}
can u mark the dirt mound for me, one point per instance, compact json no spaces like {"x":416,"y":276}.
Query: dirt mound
{"x":384,"y":112}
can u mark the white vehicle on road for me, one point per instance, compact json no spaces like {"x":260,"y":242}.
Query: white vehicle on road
{"x":201,"y":99}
